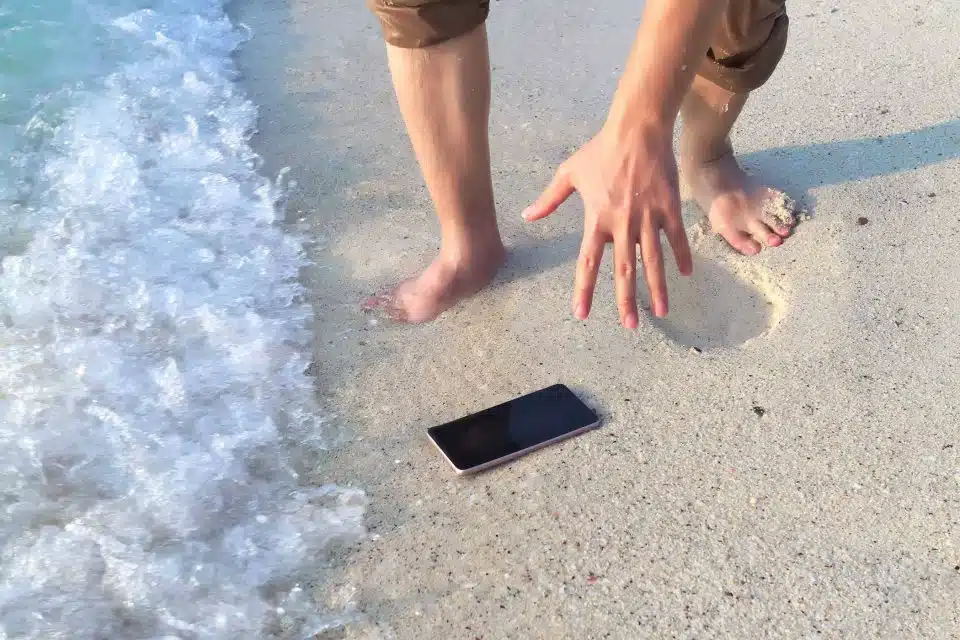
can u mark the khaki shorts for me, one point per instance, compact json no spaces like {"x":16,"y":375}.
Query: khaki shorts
{"x":742,"y":55}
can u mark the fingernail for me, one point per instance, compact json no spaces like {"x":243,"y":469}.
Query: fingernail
{"x":581,"y":312}
{"x":527,"y":213}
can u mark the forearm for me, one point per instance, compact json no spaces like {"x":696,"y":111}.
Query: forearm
{"x":670,"y":45}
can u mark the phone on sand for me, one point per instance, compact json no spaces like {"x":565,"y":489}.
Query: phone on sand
{"x":509,"y":430}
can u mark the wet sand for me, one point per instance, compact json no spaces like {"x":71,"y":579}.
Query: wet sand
{"x":799,"y":475}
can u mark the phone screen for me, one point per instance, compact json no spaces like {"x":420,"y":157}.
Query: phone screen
{"x":512,"y":427}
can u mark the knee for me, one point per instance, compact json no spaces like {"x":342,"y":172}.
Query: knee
{"x":749,"y":45}
{"x":414,"y":24}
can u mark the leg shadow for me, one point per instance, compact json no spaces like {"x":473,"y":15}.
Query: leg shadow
{"x":805,"y":167}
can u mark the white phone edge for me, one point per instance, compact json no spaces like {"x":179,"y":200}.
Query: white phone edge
{"x":512,"y":456}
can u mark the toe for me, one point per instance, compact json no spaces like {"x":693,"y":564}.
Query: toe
{"x":386,"y":306}
{"x":741,"y":241}
{"x":781,"y":227}
{"x":398,"y":314}
{"x":764,"y":234}
{"x":374,"y":302}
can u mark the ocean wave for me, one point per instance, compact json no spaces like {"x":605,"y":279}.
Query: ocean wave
{"x":153,"y":350}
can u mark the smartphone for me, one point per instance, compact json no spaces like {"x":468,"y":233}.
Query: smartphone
{"x":509,"y":430}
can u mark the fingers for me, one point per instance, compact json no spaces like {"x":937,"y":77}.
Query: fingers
{"x":677,"y":237}
{"x":653,"y":265}
{"x":591,"y":253}
{"x":559,"y":189}
{"x":625,"y":276}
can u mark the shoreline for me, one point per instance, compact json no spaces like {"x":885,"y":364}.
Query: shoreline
{"x":688,"y":512}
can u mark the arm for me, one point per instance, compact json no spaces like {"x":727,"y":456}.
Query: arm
{"x":627,"y":175}
{"x":670,"y":44}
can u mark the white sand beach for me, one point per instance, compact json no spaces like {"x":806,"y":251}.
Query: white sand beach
{"x":799,"y":476}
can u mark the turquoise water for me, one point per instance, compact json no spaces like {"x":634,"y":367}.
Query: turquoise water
{"x":47,"y":50}
{"x":153,"y":339}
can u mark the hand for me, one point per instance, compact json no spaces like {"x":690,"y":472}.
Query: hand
{"x":629,"y":187}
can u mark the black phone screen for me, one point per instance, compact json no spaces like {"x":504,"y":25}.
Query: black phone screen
{"x":511,"y":427}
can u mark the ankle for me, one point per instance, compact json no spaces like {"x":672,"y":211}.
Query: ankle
{"x":697,"y":149}
{"x":473,"y":247}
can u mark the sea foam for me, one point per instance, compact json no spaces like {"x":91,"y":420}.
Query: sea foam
{"x":153,"y":350}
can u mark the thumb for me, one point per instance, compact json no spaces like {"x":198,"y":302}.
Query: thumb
{"x":559,"y":189}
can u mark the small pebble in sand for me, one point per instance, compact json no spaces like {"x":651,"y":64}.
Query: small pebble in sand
{"x":695,"y":350}
{"x":759,"y":411}
{"x":862,"y":221}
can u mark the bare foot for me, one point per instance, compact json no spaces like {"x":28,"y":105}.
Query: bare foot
{"x":443,"y":284}
{"x":747,"y":215}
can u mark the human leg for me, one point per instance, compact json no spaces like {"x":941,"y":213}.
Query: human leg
{"x":442,"y":81}
{"x":744,"y":54}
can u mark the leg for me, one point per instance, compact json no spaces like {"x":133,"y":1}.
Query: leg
{"x":749,"y":45}
{"x":735,"y":206}
{"x":444,"y":95}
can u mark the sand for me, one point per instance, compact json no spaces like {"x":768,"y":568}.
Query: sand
{"x":780,"y":208}
{"x":780,"y":457}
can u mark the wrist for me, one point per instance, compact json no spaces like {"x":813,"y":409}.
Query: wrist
{"x":643,"y":124}
{"x":632,"y":110}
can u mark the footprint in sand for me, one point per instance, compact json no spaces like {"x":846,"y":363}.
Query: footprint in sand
{"x":716,"y":307}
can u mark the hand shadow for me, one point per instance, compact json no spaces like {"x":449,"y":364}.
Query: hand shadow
{"x":533,"y":256}
{"x":714,"y":307}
